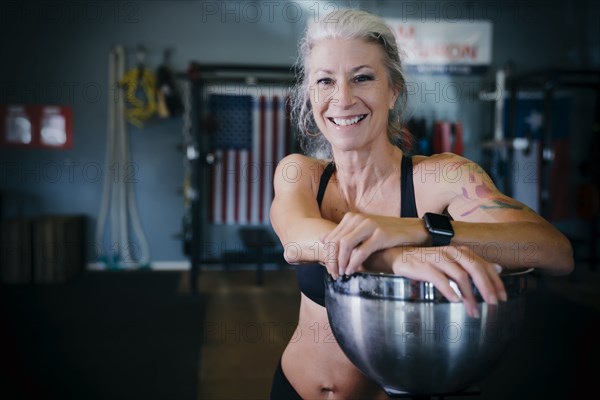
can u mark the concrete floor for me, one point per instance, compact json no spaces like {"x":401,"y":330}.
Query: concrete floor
{"x":136,"y":335}
{"x":246,"y":328}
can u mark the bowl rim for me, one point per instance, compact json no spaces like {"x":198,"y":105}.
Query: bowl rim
{"x":504,"y":273}
{"x":398,"y":287}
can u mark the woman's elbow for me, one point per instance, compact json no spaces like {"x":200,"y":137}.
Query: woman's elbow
{"x":569,"y":263}
{"x":565,"y":268}
{"x":565,"y":262}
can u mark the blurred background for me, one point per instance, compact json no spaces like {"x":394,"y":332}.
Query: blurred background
{"x":138,"y":143}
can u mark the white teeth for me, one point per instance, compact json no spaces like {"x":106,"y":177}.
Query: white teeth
{"x":346,"y":122}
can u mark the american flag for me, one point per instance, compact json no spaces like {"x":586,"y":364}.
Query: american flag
{"x":251,"y":137}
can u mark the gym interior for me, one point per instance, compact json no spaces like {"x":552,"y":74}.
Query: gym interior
{"x":138,"y":145}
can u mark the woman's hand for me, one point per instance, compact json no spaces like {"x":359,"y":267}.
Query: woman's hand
{"x":357,"y":236}
{"x":438,"y":265}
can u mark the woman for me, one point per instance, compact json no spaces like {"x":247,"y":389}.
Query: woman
{"x":365,"y":210}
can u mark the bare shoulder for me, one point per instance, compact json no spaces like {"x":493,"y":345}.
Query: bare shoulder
{"x":296,"y":170}
{"x":295,"y":187}
{"x":439,"y":161}
{"x":301,"y":160}
{"x":439,"y":178}
{"x":444,"y":168}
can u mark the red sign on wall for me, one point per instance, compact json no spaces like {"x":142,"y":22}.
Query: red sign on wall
{"x":36,"y":126}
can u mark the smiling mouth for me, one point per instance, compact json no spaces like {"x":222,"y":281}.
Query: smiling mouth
{"x":348,"y":121}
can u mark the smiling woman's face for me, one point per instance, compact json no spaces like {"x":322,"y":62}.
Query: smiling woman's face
{"x":350,"y":92}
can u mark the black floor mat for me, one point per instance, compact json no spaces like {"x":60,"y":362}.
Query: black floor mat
{"x":104,"y":335}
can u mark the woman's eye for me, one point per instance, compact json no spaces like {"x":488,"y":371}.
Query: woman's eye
{"x":324,"y":82}
{"x":363,"y":78}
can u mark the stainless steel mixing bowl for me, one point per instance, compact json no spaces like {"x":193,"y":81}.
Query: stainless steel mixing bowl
{"x":406,"y":336}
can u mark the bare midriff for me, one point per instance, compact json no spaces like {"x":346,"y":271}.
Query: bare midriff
{"x":315,"y":364}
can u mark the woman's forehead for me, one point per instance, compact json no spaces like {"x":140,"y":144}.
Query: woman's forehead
{"x":333,"y":53}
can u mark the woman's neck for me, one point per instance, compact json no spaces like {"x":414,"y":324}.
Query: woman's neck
{"x":358,"y":173}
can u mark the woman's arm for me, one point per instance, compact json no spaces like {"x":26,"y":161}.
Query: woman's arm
{"x":295,"y":214}
{"x":499,"y":228}
{"x":496,"y":227}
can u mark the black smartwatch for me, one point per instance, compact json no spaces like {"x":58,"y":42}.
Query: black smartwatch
{"x":439,"y":227}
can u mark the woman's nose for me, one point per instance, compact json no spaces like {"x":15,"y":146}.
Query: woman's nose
{"x":343,"y":95}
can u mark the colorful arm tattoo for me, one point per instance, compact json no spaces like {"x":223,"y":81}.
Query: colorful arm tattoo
{"x":495,"y":205}
{"x":483,"y":191}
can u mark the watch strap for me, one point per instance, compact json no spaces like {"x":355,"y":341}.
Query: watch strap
{"x":440,"y":240}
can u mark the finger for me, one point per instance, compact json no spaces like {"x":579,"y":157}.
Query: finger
{"x":349,"y":245}
{"x":326,"y":237}
{"x":498,"y":268}
{"x":354,"y":263}
{"x":345,"y":225}
{"x":354,"y":230}
{"x":342,"y":234}
{"x":497,"y":281}
{"x":332,"y":270}
{"x":330,"y":259}
{"x":333,"y":247}
{"x":361,"y":252}
{"x":432,"y":271}
{"x":430,"y":274}
{"x":461,"y":279}
{"x":441,"y":282}
{"x":478,"y":270}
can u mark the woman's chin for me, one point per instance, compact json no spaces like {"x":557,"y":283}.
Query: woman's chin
{"x":351,"y":144}
{"x":346,"y":146}
{"x":345,"y":142}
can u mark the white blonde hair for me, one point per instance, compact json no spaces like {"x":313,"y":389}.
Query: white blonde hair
{"x":346,"y":24}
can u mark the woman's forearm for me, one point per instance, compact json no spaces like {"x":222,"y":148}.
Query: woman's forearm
{"x":300,"y":241}
{"x":515,"y":245}
{"x":512,"y":245}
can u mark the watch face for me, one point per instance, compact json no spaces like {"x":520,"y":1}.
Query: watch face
{"x":439,"y":223}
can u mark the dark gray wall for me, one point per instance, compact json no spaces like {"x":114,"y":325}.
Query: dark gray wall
{"x":56,"y":52}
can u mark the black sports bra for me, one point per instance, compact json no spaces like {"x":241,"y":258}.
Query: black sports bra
{"x":311,"y":277}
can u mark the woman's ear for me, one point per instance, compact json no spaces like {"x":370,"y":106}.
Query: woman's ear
{"x":395,"y":94}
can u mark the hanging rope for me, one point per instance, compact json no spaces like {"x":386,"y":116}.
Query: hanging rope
{"x":136,"y":82}
{"x":118,"y":196}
